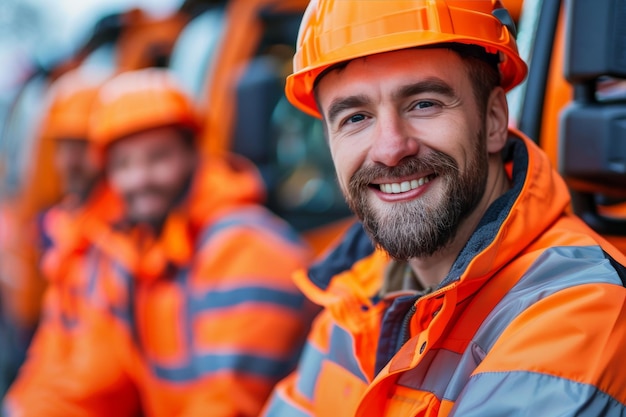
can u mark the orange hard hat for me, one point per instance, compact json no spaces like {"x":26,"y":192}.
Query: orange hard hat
{"x":334,"y":31}
{"x":137,"y":101}
{"x":69,"y":104}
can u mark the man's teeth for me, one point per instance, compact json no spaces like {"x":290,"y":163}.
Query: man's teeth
{"x":402,"y":187}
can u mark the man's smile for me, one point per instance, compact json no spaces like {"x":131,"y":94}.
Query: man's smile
{"x":404,"y":186}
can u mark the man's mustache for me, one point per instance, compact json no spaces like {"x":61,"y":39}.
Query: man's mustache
{"x":130,"y":196}
{"x":435,"y":162}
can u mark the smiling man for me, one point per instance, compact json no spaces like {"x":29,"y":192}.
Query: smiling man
{"x":481,"y":295}
{"x":441,"y":182}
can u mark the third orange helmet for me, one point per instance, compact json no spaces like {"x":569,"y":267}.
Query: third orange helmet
{"x":140,"y":100}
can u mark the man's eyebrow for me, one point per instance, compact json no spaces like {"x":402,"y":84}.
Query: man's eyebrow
{"x":343,"y":103}
{"x":428,"y":85}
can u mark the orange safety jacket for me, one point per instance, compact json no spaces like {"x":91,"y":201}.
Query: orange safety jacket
{"x":68,"y":229}
{"x":203,"y":320}
{"x":529,"y":321}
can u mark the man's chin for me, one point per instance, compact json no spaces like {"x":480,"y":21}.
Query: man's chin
{"x":152,"y":220}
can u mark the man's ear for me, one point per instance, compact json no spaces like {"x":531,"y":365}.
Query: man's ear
{"x":496,"y":120}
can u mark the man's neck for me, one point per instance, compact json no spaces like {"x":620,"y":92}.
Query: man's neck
{"x":432,"y":270}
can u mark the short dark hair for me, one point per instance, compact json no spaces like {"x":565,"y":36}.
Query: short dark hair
{"x":482,"y":68}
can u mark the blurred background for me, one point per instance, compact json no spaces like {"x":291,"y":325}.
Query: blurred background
{"x":232,"y":56}
{"x":251,"y":40}
{"x":39,"y":32}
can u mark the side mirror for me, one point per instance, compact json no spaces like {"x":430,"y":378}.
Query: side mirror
{"x":592,"y":147}
{"x":596,"y":40}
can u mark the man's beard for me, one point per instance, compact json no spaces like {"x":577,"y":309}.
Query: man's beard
{"x":174,"y":196}
{"x":421,"y":227}
{"x":80,"y":184}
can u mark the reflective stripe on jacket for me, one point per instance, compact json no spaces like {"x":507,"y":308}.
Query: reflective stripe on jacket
{"x":529,"y":321}
{"x":204,"y":321}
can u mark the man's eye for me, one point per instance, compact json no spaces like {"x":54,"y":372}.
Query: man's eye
{"x":117,"y":165}
{"x":355,"y":118}
{"x":424,"y":104}
{"x":159,"y":155}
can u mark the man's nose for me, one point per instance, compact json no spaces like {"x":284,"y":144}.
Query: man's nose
{"x":136,"y":176}
{"x":393,"y":141}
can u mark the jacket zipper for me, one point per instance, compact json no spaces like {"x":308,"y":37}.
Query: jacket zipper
{"x":405,"y":332}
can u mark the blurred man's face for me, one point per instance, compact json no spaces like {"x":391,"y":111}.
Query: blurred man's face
{"x":151,"y":171}
{"x":75,"y":162}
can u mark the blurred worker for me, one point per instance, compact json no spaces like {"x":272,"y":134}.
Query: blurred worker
{"x":75,"y":160}
{"x":61,"y":227}
{"x":66,"y":122}
{"x":484,"y":296}
{"x":188,"y":307}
